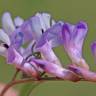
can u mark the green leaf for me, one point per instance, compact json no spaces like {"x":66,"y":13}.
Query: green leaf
{"x":28,"y":88}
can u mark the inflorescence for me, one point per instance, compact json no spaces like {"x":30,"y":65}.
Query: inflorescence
{"x":40,"y":34}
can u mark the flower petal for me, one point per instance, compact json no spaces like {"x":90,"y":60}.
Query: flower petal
{"x":31,"y":69}
{"x":56,"y":70}
{"x":26,"y":31}
{"x":18,"y":21}
{"x":66,"y":33}
{"x":36,"y":27}
{"x":17,"y":40}
{"x":48,"y":53}
{"x":80,"y":33}
{"x":53,"y":34}
{"x":7,"y":23}
{"x":4,"y":37}
{"x":13,"y":57}
{"x":44,"y":20}
{"x":73,"y":38}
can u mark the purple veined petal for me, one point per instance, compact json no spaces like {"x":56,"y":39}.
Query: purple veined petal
{"x":53,"y":34}
{"x":13,"y":57}
{"x":26,"y":30}
{"x":67,"y":31}
{"x":10,"y":55}
{"x":48,"y":53}
{"x":93,"y":49}
{"x":7,"y":23}
{"x":17,"y":40}
{"x":18,"y":21}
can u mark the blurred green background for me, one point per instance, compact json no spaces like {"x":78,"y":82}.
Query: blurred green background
{"x":69,"y":11}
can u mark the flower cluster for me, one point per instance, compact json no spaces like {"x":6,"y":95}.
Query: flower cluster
{"x":40,"y":34}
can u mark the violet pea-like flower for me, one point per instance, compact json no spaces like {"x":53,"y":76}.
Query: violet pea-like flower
{"x":16,"y":59}
{"x":56,"y":70}
{"x":73,"y":38}
{"x":51,"y":38}
{"x":33,"y":27}
{"x":37,"y":26}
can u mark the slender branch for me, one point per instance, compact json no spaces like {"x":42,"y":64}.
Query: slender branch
{"x":27,"y":80}
{"x":31,"y":80}
{"x":36,"y":80}
{"x":15,"y":75}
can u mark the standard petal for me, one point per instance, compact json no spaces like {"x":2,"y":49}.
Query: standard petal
{"x":36,"y":27}
{"x":44,"y":20}
{"x":26,"y":31}
{"x":53,"y":34}
{"x":7,"y":23}
{"x":4,"y":38}
{"x":18,"y":21}
{"x":40,"y":23}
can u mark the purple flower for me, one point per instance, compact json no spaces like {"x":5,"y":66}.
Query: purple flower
{"x":42,"y":34}
{"x":33,"y":28}
{"x":15,"y":58}
{"x":49,"y":39}
{"x":73,"y":38}
{"x":55,"y":70}
{"x":7,"y":33}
